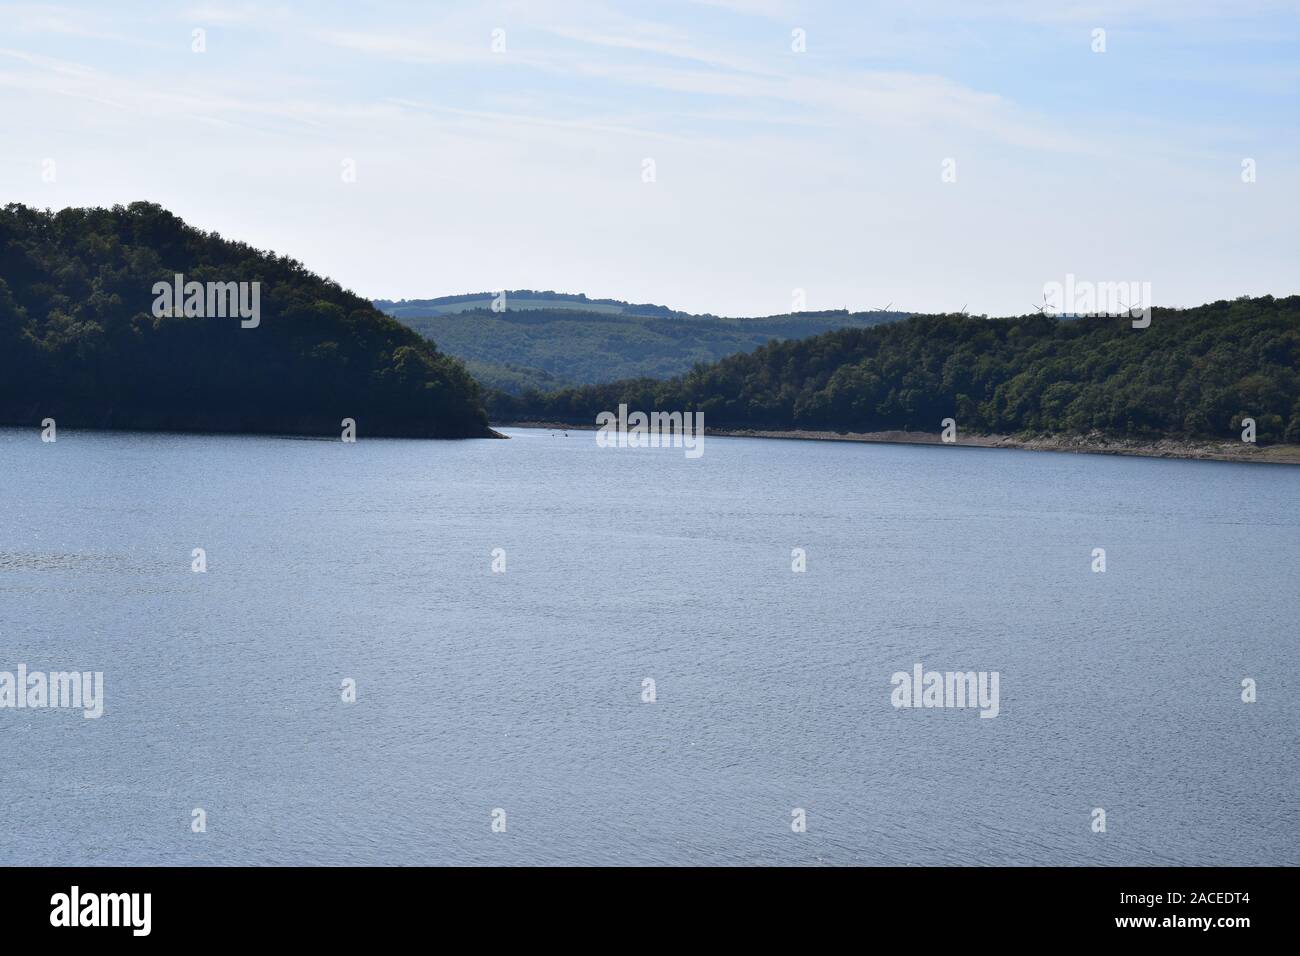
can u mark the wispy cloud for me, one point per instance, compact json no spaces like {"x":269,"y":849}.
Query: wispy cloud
{"x":775,"y":168}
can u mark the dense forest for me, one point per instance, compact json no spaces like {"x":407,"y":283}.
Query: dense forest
{"x":1192,"y":373}
{"x":546,"y":349}
{"x":80,"y":343}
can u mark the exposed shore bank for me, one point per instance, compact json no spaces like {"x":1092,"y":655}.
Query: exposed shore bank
{"x":1096,"y":444}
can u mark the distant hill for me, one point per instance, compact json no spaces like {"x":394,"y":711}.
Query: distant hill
{"x":518,"y":300}
{"x":1193,"y":373}
{"x":547,"y":340}
{"x":81,"y":341}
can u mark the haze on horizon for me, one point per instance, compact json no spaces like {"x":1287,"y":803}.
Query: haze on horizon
{"x":775,"y":170}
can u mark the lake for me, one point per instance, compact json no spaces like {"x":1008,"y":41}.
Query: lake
{"x":522,"y":690}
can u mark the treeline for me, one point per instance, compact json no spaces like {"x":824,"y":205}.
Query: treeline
{"x":517,"y":350}
{"x":1192,"y":373}
{"x":556,"y":300}
{"x":79,"y":341}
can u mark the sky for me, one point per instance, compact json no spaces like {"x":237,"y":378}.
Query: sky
{"x":736,"y":157}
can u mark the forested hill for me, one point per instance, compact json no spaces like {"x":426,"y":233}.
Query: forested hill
{"x":1192,"y":373}
{"x":80,"y":341}
{"x":546,"y":341}
{"x":518,"y":300}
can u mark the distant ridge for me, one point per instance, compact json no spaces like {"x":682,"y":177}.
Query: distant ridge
{"x":543,"y":341}
{"x":519,"y":300}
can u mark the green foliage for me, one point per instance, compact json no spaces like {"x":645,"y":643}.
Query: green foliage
{"x":1193,"y":373}
{"x":79,"y":341}
{"x":514,"y":379}
{"x":517,"y":299}
{"x":570,"y":346}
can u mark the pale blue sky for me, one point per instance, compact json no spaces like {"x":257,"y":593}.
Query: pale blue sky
{"x":775,"y":170}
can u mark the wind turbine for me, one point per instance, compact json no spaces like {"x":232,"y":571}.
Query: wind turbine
{"x":1136,"y":306}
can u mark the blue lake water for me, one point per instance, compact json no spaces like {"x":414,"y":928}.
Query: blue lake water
{"x":522,"y":690}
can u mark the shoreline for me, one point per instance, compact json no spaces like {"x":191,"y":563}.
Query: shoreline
{"x":1190,"y":449}
{"x":314,"y":434}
